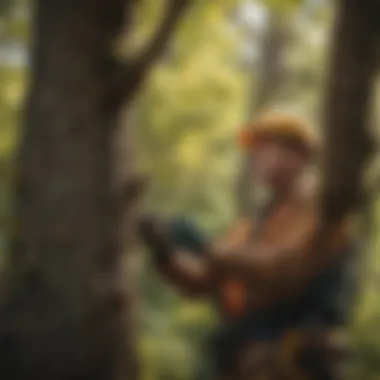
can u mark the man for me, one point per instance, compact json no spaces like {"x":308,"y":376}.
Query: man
{"x":278,"y":277}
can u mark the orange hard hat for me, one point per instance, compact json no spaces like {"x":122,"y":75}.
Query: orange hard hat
{"x":277,"y":126}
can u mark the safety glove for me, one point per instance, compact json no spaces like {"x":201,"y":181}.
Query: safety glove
{"x":187,"y":235}
{"x":164,"y":237}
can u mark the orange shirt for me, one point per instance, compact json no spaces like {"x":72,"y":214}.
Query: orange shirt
{"x":286,"y":236}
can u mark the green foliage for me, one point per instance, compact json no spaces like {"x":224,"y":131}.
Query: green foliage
{"x":283,"y":5}
{"x":13,"y":32}
{"x":195,"y":100}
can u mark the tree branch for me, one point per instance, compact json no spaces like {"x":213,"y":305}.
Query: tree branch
{"x":175,"y":9}
{"x":134,"y":188}
{"x":133,"y":73}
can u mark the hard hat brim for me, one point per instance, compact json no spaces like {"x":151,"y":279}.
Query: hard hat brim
{"x":252,"y":137}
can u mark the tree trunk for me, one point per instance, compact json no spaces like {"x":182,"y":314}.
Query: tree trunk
{"x":347,"y":109}
{"x":269,"y":79}
{"x":271,"y":72}
{"x":65,"y":306}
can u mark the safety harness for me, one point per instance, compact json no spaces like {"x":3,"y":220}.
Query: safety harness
{"x":232,"y":296}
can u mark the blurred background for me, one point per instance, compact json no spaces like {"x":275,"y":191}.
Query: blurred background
{"x":227,"y":61}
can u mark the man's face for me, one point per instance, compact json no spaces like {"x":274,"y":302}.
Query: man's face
{"x":277,"y":163}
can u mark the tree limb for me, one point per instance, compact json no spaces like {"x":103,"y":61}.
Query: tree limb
{"x":133,"y":73}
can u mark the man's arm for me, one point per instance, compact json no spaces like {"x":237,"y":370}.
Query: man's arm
{"x":282,"y":266}
{"x":194,"y":276}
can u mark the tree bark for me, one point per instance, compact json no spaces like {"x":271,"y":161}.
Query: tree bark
{"x":347,"y":109}
{"x":65,"y":304}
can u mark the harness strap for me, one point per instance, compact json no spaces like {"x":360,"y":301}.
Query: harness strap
{"x":233,"y":292}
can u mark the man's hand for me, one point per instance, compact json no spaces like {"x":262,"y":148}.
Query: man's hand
{"x":192,"y":275}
